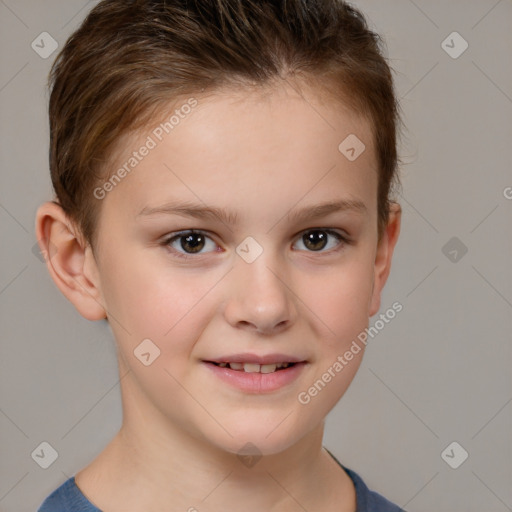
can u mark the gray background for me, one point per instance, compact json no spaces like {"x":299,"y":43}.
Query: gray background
{"x":439,"y":372}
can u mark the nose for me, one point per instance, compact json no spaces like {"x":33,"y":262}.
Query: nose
{"x":260,"y":298}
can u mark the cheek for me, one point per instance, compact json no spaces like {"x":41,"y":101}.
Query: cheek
{"x":340,"y":301}
{"x":168,"y":306}
{"x":340,"y":307}
{"x":151,"y":298}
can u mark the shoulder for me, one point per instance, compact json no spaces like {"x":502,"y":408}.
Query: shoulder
{"x":67,"y":498}
{"x":367,"y":500}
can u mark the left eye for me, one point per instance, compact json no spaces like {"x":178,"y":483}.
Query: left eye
{"x":315,"y":240}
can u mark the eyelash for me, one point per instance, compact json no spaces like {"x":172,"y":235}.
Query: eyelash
{"x":176,"y":236}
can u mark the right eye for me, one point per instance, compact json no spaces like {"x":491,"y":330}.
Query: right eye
{"x":185,"y":244}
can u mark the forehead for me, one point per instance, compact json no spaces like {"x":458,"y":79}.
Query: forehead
{"x":283,"y":143}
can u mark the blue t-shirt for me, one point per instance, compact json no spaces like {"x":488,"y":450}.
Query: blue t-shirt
{"x":69,"y":498}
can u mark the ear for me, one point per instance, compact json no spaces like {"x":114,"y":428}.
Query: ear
{"x":384,"y":254}
{"x":70,"y":261}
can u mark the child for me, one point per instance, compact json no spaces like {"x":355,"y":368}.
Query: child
{"x":223,"y":173}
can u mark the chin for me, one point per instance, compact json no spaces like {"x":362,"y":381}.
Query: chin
{"x":257,"y":437}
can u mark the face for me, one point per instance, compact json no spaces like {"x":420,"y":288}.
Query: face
{"x":243,"y":245}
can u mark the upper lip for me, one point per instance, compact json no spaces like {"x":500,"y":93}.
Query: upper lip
{"x":256,"y":359}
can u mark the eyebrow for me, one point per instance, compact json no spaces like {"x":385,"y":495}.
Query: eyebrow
{"x":202,"y":212}
{"x":188,"y":209}
{"x":324,"y":209}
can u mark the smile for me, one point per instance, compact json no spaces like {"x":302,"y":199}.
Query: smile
{"x":255,"y":368}
{"x":252,"y":377}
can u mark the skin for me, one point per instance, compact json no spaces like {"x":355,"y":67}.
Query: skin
{"x":263,"y":157}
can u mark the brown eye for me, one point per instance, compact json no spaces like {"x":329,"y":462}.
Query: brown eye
{"x":190,"y":243}
{"x":315,"y":240}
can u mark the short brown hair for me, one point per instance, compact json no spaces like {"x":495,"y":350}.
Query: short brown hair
{"x":130,"y":57}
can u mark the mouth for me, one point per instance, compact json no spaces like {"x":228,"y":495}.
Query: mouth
{"x":257,"y":374}
{"x":254,"y":367}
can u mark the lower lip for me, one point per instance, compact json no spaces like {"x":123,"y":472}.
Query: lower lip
{"x":257,"y":382}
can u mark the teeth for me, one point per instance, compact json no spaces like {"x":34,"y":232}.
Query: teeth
{"x":255,"y":368}
{"x":251,"y":368}
{"x":268,"y":368}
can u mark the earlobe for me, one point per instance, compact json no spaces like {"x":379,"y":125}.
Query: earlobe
{"x":69,"y":260}
{"x":384,"y":255}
